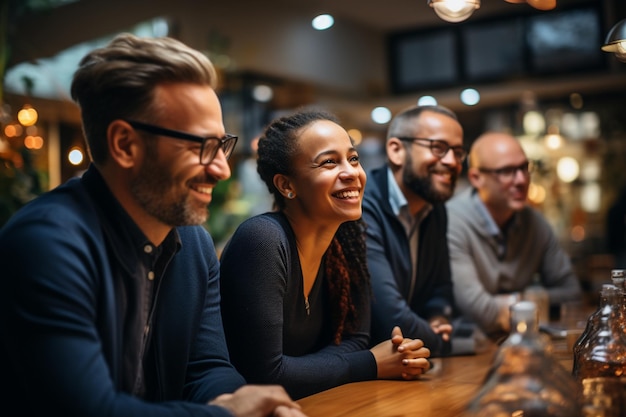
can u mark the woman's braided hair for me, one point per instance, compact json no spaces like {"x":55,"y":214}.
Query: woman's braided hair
{"x":347,"y":274}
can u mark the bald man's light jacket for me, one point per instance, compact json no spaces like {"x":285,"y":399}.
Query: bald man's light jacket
{"x":481,"y":269}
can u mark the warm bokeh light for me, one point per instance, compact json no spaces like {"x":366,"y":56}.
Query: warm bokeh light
{"x":534,"y":123}
{"x":567,"y":169}
{"x":356,"y":135}
{"x":536,"y":193}
{"x":554,"y":141}
{"x":577,"y":234}
{"x":33,"y":142}
{"x":590,"y":197}
{"x":27,"y":116}
{"x":590,"y":124}
{"x":580,"y":125}
{"x":534,"y":149}
{"x":13,"y":131}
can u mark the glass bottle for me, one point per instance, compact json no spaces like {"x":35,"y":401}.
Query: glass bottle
{"x":537,"y":293}
{"x":618,"y":277}
{"x":524,"y":379}
{"x":600,"y":359}
{"x":590,"y":328}
{"x":608,"y":297}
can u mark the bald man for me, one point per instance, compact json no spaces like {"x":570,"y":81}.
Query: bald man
{"x":497,"y":242}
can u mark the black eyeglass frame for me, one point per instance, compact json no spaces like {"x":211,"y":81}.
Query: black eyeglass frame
{"x":459,"y":152}
{"x":207,"y":154}
{"x":509,"y":172}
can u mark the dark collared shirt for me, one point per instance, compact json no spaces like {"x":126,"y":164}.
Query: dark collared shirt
{"x":139,"y":268}
{"x":400,"y":207}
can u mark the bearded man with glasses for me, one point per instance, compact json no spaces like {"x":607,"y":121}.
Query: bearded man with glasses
{"x":403,"y":207}
{"x":498,"y":243}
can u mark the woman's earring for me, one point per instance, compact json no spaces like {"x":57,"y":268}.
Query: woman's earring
{"x":290,"y":195}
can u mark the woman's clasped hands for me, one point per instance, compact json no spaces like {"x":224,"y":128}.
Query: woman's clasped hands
{"x":401,"y":357}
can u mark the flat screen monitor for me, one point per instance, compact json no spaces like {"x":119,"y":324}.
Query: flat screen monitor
{"x":423,"y":60}
{"x":565,"y":41}
{"x":493,"y":50}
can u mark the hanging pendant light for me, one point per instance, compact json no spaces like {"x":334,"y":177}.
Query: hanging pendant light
{"x":542,"y":4}
{"x":537,"y":4}
{"x":454,"y":10}
{"x":616,"y":41}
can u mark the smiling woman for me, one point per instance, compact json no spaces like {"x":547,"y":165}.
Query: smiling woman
{"x":302,"y":297}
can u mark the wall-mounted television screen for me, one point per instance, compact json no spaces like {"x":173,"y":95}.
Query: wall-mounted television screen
{"x":559,"y":41}
{"x":493,"y":49}
{"x":423,"y":60}
{"x":565,"y":41}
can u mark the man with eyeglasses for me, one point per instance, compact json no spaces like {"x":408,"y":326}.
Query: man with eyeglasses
{"x":109,"y":291}
{"x":498,"y":242}
{"x":403,"y":206}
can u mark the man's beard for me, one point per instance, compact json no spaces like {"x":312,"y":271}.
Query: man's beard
{"x":161,"y":197}
{"x":424,"y":187}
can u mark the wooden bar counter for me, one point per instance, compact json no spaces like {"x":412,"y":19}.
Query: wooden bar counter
{"x":444,"y":391}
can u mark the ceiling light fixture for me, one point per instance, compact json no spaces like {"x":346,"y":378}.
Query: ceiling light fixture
{"x":537,"y":4}
{"x":616,"y":41}
{"x":454,"y":10}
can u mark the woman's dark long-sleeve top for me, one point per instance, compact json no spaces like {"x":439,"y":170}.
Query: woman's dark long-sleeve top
{"x":270,"y":336}
{"x":71,"y":313}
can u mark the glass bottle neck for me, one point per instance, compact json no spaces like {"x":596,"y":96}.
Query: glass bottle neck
{"x":524,"y":317}
{"x":611,"y":295}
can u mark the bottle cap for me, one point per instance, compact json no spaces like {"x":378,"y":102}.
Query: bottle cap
{"x":524,"y":306}
{"x":618,"y":277}
{"x":618,"y":273}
